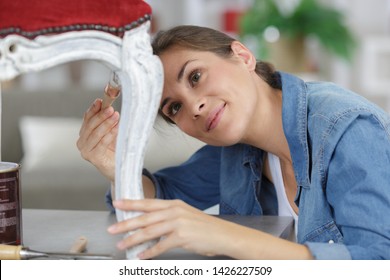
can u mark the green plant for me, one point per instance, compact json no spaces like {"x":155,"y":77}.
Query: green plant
{"x":309,"y":18}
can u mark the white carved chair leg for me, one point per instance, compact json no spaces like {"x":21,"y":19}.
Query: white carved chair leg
{"x":141,"y":79}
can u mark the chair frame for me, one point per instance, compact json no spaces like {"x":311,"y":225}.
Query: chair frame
{"x":141,"y":76}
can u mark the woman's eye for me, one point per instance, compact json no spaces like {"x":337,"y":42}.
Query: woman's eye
{"x":174,"y":108}
{"x":195,"y":77}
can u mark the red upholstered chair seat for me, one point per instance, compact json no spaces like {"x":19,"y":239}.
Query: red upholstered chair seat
{"x":31,"y":18}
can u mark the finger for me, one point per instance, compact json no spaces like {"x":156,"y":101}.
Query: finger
{"x":104,"y":135}
{"x":146,"y":234}
{"x":108,"y":141}
{"x":144,"y":220}
{"x":92,"y":119}
{"x":98,"y":128}
{"x":114,"y":133}
{"x":97,"y":119}
{"x":155,"y":210}
{"x":163,"y":245}
{"x":96,"y":110}
{"x":147,"y":205}
{"x":91,"y":111}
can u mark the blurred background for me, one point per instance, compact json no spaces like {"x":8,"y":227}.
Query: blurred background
{"x":343,"y":41}
{"x":314,"y":36}
{"x":318,"y":37}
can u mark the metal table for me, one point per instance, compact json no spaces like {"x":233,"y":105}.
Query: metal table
{"x":56,"y":230}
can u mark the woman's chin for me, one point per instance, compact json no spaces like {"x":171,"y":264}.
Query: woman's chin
{"x":223,"y":141}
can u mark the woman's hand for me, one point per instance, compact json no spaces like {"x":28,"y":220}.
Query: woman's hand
{"x":98,"y":138}
{"x":182,"y":226}
{"x":179,"y":224}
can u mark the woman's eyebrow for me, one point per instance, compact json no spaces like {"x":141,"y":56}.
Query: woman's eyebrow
{"x":164,"y":102}
{"x":179,"y":77}
{"x":183,"y":68}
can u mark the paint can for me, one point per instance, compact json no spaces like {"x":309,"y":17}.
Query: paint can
{"x":10,"y":204}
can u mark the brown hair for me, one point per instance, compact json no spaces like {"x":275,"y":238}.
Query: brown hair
{"x":207,"y":39}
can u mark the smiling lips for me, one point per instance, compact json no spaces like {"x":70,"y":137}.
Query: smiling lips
{"x":214,"y":117}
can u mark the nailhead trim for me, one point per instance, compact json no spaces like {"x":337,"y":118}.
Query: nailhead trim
{"x":118,"y":31}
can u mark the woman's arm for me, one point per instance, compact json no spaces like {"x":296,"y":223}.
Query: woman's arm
{"x":358,"y":188}
{"x":196,"y":181}
{"x":147,"y":184}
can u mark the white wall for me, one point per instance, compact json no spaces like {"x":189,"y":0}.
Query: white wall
{"x":369,"y":74}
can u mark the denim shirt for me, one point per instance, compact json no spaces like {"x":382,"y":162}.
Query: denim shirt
{"x":340,"y":148}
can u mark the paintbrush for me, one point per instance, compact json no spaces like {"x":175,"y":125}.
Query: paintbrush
{"x":18,"y":252}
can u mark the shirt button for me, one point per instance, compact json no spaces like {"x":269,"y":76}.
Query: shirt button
{"x":331,"y":241}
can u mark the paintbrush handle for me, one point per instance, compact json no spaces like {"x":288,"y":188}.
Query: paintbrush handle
{"x":79,"y":245}
{"x":10,"y":252}
{"x":14,"y":252}
{"x":111,"y":91}
{"x":110,"y":94}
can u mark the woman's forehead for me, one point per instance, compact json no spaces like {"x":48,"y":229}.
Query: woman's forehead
{"x":177,"y":52}
{"x":175,"y":59}
{"x":183,"y":50}
{"x":173,"y":62}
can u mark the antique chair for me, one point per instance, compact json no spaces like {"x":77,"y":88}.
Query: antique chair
{"x":36,"y":35}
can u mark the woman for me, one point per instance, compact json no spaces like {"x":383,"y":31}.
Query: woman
{"x":277,"y":145}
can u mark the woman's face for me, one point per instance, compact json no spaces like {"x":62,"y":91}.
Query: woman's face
{"x":209,"y":97}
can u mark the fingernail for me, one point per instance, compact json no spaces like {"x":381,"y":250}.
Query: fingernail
{"x":141,"y":256}
{"x":112,"y":228}
{"x":94,"y":104}
{"x":121,"y":245}
{"x":114,"y":117}
{"x":117,"y":202}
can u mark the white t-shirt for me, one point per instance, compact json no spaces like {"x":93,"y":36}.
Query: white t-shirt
{"x":284,"y":206}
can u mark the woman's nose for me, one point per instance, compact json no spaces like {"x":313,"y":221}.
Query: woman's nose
{"x":198,"y":109}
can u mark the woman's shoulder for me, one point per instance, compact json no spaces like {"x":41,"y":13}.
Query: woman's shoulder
{"x":332,"y":102}
{"x":334,"y":112}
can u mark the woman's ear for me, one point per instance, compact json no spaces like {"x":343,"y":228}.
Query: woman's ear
{"x":244,"y":54}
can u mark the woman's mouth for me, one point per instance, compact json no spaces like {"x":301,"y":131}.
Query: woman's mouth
{"x":214,"y":117}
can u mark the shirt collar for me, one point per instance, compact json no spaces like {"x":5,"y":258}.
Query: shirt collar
{"x":294,"y":115}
